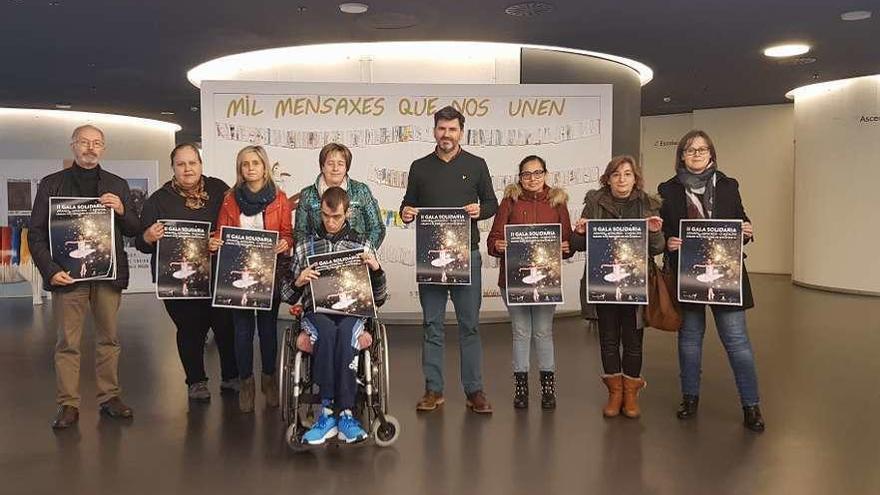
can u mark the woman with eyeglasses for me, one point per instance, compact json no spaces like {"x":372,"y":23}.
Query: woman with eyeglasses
{"x":621,"y":326}
{"x":531,"y":201}
{"x":700,"y":190}
{"x":256,"y":203}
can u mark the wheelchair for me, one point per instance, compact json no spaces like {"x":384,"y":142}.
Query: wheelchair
{"x":299,"y":399}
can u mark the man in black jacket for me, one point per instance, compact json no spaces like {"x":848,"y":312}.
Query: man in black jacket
{"x":452,"y":177}
{"x":71,"y":300}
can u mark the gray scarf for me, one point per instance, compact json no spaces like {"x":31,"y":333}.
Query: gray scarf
{"x":702,"y":183}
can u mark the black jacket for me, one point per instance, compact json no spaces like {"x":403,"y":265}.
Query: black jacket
{"x":38,"y":235}
{"x":728,"y":205}
{"x":165,"y":204}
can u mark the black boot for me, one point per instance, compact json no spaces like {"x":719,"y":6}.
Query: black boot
{"x":521,"y":389}
{"x":548,"y":390}
{"x":688,"y":407}
{"x":752,"y":418}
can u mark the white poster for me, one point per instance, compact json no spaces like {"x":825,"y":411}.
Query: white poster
{"x":387,"y":126}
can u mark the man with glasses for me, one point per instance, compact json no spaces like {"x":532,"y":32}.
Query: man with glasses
{"x":452,"y":177}
{"x":71,"y":300}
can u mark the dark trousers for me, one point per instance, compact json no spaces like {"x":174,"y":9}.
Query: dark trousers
{"x":193,"y":318}
{"x":617,"y":325}
{"x":265,"y":323}
{"x":334,"y":357}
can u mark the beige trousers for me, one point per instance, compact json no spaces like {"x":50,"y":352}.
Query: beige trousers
{"x":69,"y":309}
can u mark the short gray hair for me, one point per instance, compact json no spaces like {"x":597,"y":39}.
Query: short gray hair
{"x":84,"y":127}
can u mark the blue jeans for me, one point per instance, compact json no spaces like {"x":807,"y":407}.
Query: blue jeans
{"x":266,"y":323}
{"x":334,"y":356}
{"x":532,"y":322}
{"x":466,"y":299}
{"x":731,"y":325}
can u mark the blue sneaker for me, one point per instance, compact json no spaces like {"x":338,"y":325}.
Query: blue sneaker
{"x":350,"y":430}
{"x":323,"y":429}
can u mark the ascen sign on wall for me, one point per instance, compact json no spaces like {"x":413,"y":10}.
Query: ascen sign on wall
{"x":387,"y":126}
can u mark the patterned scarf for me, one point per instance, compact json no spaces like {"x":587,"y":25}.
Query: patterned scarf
{"x":196,"y":196}
{"x":699,"y":188}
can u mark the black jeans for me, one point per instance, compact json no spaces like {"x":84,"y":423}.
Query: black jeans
{"x":193,"y":318}
{"x":617,"y":324}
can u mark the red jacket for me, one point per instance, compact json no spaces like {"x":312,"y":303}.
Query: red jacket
{"x":521,"y":207}
{"x":276,"y":216}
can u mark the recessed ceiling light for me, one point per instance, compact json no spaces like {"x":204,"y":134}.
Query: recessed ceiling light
{"x":63,"y":106}
{"x":855,"y":15}
{"x":667,"y":99}
{"x":789,"y":50}
{"x":194,"y":108}
{"x":167,"y":112}
{"x":353,"y":8}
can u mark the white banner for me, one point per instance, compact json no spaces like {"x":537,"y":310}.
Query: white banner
{"x":387,"y":126}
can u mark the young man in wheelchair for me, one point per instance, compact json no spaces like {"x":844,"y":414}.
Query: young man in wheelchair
{"x":335,"y":340}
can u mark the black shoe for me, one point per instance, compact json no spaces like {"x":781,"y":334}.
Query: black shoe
{"x":752,"y":418}
{"x":688,"y":407}
{"x":521,"y":389}
{"x":548,"y":390}
{"x":115,"y":408}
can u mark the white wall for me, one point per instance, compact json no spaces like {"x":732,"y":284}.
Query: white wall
{"x":755,"y":145}
{"x":45,"y":134}
{"x":837,"y":126}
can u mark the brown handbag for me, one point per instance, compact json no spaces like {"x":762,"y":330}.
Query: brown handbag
{"x":662,"y":312}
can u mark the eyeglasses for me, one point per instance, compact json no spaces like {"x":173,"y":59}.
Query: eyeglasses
{"x":85,"y":144}
{"x":537,"y":174}
{"x":696,"y":151}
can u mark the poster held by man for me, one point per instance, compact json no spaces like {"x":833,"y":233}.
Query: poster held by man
{"x":183,"y":262}
{"x":443,"y":246}
{"x":617,"y":262}
{"x":533,"y":264}
{"x":710,"y":262}
{"x":245,"y":277}
{"x":82,"y":238}
{"x":343,"y":287}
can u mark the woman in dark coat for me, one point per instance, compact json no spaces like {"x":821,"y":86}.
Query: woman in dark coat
{"x":700,"y":190}
{"x":189,"y":195}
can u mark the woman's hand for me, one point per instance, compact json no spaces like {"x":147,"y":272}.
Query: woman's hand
{"x":408,"y":214}
{"x":654,"y":224}
{"x":307,"y":275}
{"x":673,"y":243}
{"x":154,"y":233}
{"x":581,"y":226}
{"x":566,"y":247}
{"x":747,"y":230}
{"x":500,"y":245}
{"x":214,"y":244}
{"x":281,"y":246}
{"x":370,"y":261}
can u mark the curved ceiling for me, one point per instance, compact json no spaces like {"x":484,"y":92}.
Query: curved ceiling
{"x":131,"y":56}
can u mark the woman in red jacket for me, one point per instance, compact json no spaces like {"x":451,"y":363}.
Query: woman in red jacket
{"x":531,"y":201}
{"x":255,"y":203}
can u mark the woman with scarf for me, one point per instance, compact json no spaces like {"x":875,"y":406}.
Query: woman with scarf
{"x":255,"y":203}
{"x":365,"y":217}
{"x":189,"y":195}
{"x":621,"y":326}
{"x":700,"y":190}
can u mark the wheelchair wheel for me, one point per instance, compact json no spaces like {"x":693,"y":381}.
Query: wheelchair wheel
{"x":384,"y":378}
{"x":295,"y":429}
{"x":386,"y":433}
{"x":285,"y":372}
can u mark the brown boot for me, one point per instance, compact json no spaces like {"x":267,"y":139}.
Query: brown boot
{"x":615,"y":395}
{"x":270,"y":390}
{"x":430,"y":401}
{"x":115,"y":408}
{"x":246,"y":395}
{"x":478,"y":403}
{"x":631,"y":389}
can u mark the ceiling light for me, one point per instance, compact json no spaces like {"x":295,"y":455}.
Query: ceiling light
{"x":529,"y":9}
{"x":63,"y":106}
{"x":353,"y":8}
{"x":167,"y":112}
{"x":855,"y":15}
{"x":789,"y":50}
{"x":81,"y":117}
